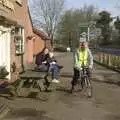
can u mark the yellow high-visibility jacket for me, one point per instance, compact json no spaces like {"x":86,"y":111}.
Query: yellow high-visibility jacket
{"x":83,"y":58}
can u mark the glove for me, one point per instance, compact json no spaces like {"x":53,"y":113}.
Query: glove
{"x":90,"y":66}
{"x":53,"y":63}
{"x":78,"y":67}
{"x":44,"y":62}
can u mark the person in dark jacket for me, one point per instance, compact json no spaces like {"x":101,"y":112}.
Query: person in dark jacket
{"x":46,"y":63}
{"x":42,"y":60}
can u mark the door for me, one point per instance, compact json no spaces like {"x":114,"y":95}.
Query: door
{"x":5,"y":48}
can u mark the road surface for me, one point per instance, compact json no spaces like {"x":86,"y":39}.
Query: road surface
{"x":61,"y":105}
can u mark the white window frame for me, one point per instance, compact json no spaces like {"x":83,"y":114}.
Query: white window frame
{"x":19,"y":42}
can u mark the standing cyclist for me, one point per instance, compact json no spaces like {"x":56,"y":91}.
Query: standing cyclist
{"x":82,"y":57}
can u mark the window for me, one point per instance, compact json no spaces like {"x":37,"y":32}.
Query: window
{"x":18,"y":31}
{"x":19,"y":46}
{"x":19,"y":40}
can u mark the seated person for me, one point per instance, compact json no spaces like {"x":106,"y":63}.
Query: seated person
{"x":46,"y":63}
{"x":54,"y":68}
{"x":42,"y":60}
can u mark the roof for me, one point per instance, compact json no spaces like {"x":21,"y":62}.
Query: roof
{"x":7,"y":21}
{"x":41,"y":34}
{"x":30,"y":16}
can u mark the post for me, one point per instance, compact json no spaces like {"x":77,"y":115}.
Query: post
{"x":22,"y":62}
{"x":70,"y":40}
{"x":88,"y":34}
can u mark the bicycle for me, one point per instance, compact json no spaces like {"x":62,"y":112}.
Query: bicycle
{"x":84,"y":81}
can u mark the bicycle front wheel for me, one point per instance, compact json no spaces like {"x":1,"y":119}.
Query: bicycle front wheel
{"x":88,"y":87}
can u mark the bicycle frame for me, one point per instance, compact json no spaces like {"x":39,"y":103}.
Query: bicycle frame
{"x":84,"y":76}
{"x":85,"y":81}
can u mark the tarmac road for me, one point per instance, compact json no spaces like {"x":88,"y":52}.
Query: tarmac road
{"x":61,"y":105}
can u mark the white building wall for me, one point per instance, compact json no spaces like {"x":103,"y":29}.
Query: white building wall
{"x":5,"y":48}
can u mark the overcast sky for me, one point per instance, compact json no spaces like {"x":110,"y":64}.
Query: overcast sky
{"x":109,"y":5}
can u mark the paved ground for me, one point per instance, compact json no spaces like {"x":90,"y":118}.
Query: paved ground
{"x":60,"y":105}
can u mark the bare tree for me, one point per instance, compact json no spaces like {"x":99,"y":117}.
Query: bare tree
{"x":46,"y":14}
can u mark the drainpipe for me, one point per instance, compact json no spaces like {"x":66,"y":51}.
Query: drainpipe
{"x":22,"y":62}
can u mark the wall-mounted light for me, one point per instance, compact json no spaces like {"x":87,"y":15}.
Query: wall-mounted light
{"x":13,"y":30}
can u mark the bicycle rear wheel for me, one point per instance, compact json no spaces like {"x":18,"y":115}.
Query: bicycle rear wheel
{"x":88,"y":87}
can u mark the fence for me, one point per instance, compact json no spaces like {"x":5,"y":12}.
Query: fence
{"x":108,"y":57}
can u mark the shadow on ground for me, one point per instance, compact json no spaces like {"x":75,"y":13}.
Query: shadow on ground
{"x":108,"y":82}
{"x":67,"y":75}
{"x":63,"y":89}
{"x":43,"y":96}
{"x":27,"y":114}
{"x":112,"y":117}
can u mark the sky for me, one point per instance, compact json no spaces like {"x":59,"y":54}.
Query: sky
{"x":110,"y":5}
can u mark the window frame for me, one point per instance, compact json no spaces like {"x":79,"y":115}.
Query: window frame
{"x":19,"y":42}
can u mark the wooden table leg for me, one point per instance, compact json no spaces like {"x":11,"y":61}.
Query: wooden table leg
{"x":32,"y":84}
{"x":20,"y":85}
{"x":47,"y":83}
{"x":41,"y":85}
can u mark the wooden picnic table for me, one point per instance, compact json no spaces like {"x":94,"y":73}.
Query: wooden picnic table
{"x":33,"y":78}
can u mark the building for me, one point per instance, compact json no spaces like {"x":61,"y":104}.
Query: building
{"x":41,"y":40}
{"x":19,"y":41}
{"x":16,"y":36}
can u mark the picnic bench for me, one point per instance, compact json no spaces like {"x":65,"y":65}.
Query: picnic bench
{"x":33,"y":79}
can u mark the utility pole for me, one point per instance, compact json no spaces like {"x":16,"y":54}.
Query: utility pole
{"x":88,"y":34}
{"x":70,"y":40}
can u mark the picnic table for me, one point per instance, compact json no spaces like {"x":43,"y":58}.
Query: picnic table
{"x":33,"y":79}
